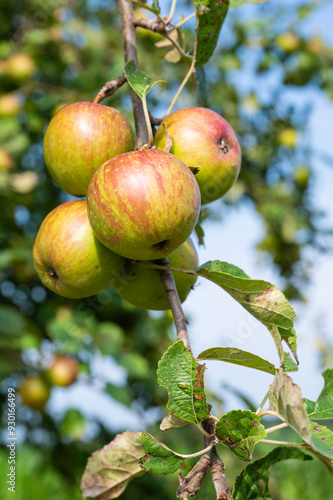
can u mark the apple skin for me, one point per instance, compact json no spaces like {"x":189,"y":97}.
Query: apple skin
{"x":68,"y":257}
{"x":79,"y":139}
{"x":142,"y":287}
{"x":202,"y":138}
{"x":143,"y":204}
{"x":34,"y":392}
{"x":63,"y":371}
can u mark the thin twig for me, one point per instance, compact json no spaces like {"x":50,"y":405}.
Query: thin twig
{"x":276,"y":428}
{"x":280,"y":443}
{"x":174,"y":302}
{"x":181,"y":23}
{"x":156,"y":26}
{"x":262,"y":403}
{"x":109,"y":88}
{"x":127,"y":16}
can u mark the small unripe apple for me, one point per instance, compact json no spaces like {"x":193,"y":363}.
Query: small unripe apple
{"x":288,"y":41}
{"x":34,"y":392}
{"x":6,"y":161}
{"x":287,"y":137}
{"x":143,"y":204}
{"x":10,"y":104}
{"x":20,"y":66}
{"x":68,"y":257}
{"x":202,"y":138}
{"x":142,"y":286}
{"x":79,"y":139}
{"x":63,"y":371}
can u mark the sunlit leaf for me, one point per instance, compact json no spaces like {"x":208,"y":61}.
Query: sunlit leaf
{"x":262,"y":299}
{"x":210,"y":15}
{"x":182,"y":377}
{"x":237,"y":357}
{"x":140,"y":82}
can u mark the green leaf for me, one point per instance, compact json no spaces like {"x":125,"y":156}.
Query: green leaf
{"x":158,"y":458}
{"x":119,"y":393}
{"x":241,"y":3}
{"x":289,"y":364}
{"x":210,"y":17}
{"x":171,"y":422}
{"x":262,"y":299}
{"x":237,"y":357}
{"x":322,"y":445}
{"x":252,"y":483}
{"x":109,"y":469}
{"x":323,"y":408}
{"x":155,"y":8}
{"x":285,"y":398}
{"x":182,"y":377}
{"x":240,"y":431}
{"x":140,"y":82}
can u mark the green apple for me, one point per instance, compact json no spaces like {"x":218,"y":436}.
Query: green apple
{"x":63,"y":371}
{"x":68,"y":257}
{"x":202,"y":138}
{"x":34,"y":392}
{"x":142,"y":286}
{"x":143,"y":204}
{"x":79,"y":139}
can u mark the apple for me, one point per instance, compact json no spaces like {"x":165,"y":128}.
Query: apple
{"x":20,"y":66}
{"x":6,"y":161}
{"x":79,"y":139}
{"x":202,"y":138}
{"x":10,"y":104}
{"x":34,"y":392}
{"x":142,"y":286}
{"x":68,"y":257}
{"x":143,"y":204}
{"x":63,"y":371}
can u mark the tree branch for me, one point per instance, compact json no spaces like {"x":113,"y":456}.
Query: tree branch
{"x":216,"y":465}
{"x":127,"y":17}
{"x":174,"y":302}
{"x":109,"y":88}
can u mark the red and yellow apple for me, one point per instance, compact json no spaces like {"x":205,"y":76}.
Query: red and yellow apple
{"x":142,"y":286}
{"x":143,"y":204}
{"x":79,"y":139}
{"x":68,"y":257}
{"x":202,"y":138}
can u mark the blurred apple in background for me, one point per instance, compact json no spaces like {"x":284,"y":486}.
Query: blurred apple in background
{"x":63,"y":371}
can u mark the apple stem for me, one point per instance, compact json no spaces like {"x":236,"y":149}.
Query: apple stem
{"x":174,"y":302}
{"x":127,"y":16}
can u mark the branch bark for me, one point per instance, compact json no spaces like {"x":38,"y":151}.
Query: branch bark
{"x":109,"y":88}
{"x":212,"y":459}
{"x":174,"y":302}
{"x":127,"y":17}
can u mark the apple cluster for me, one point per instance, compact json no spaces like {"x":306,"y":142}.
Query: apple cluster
{"x":140,"y":205}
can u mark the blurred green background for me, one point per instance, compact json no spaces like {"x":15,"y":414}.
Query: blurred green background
{"x":57,"y":52}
